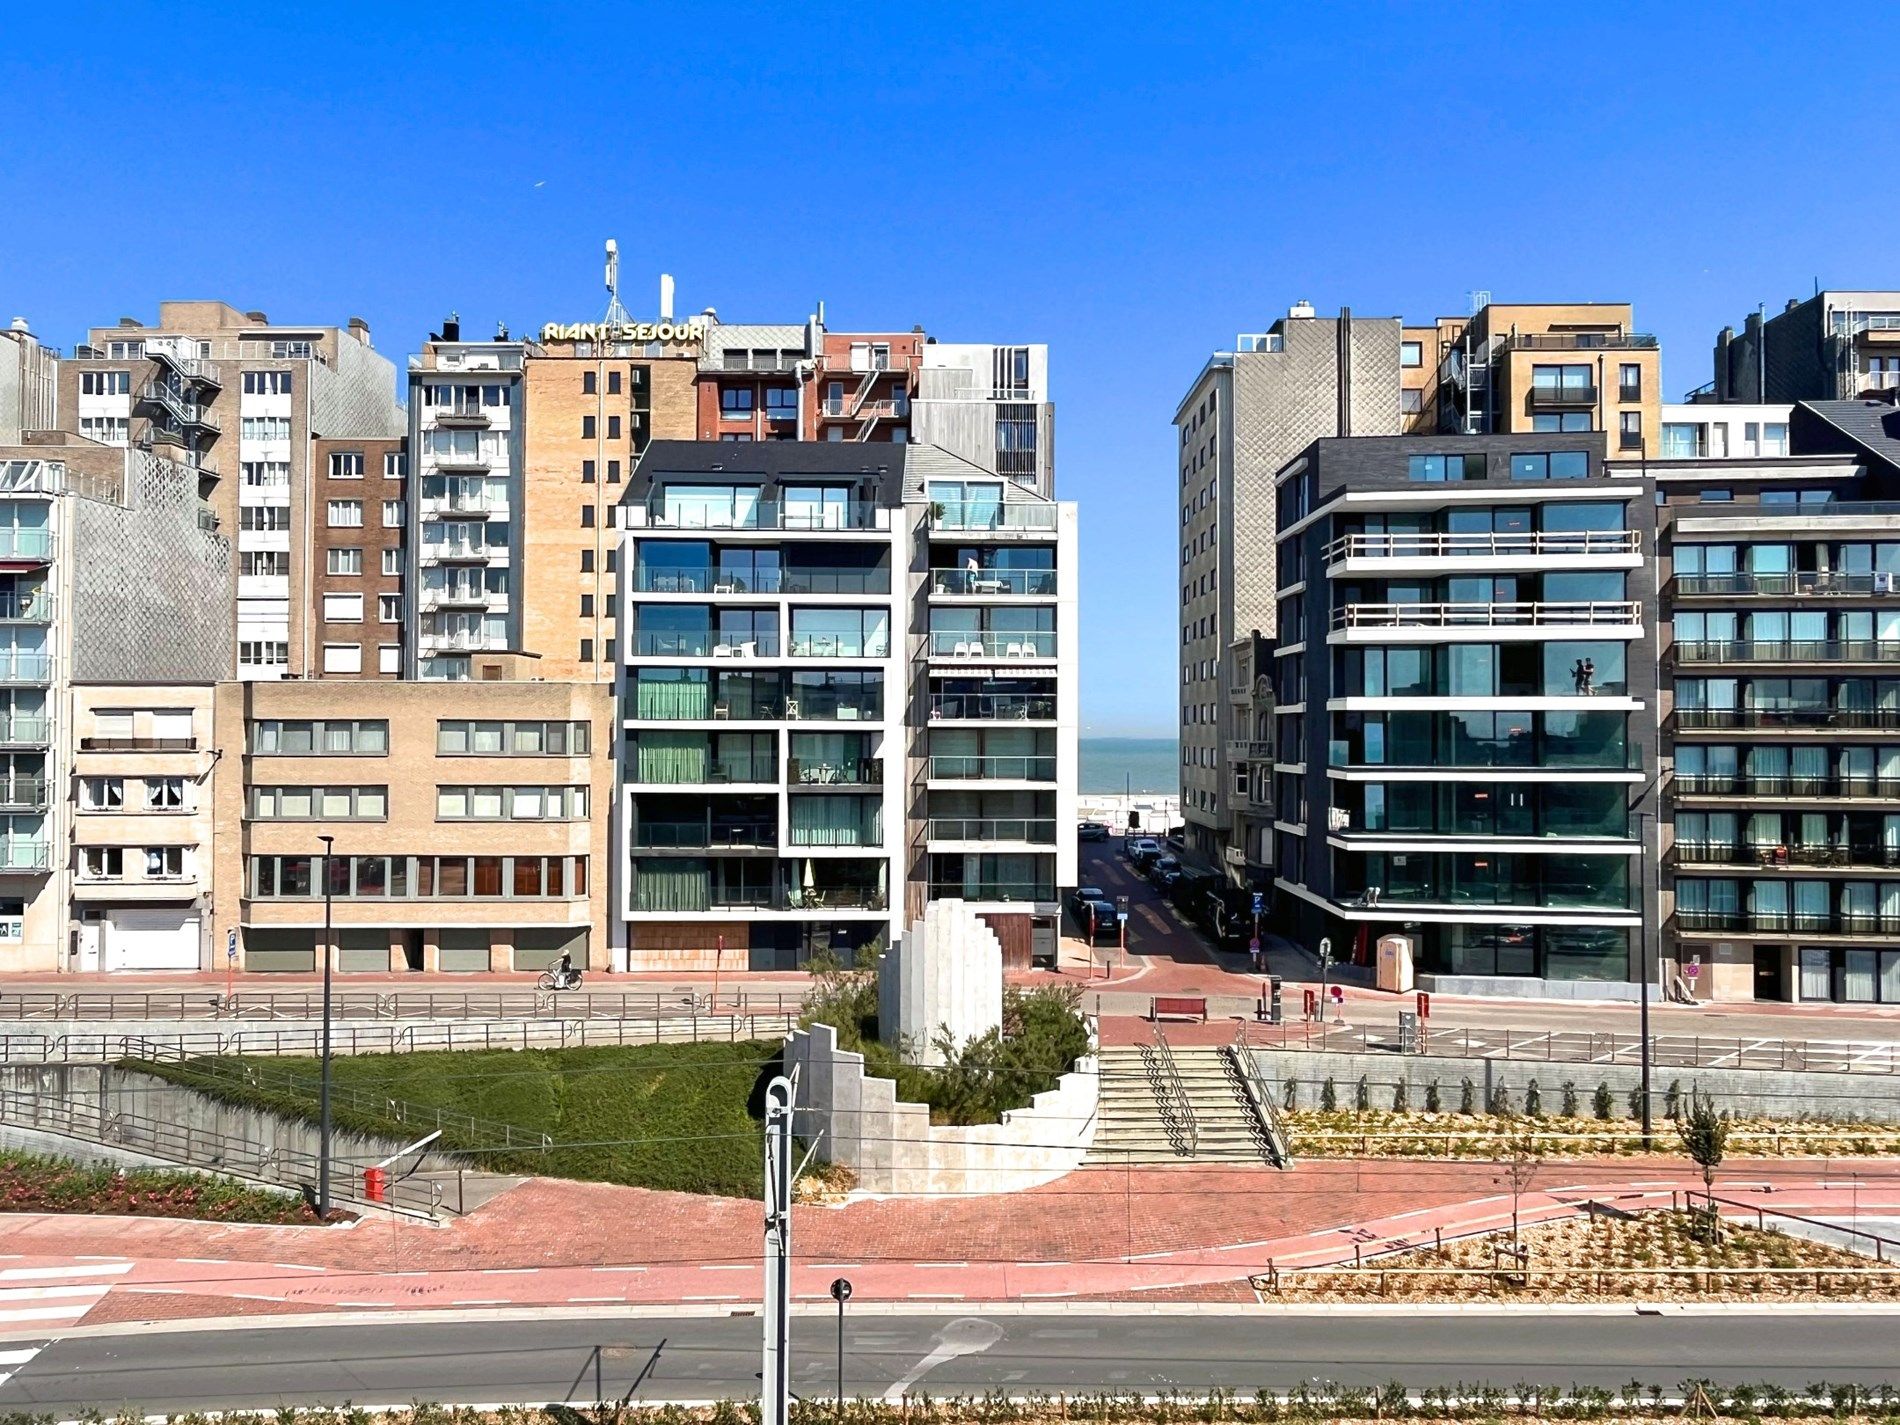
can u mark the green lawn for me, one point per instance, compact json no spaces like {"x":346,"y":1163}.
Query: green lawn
{"x":675,"y":1116}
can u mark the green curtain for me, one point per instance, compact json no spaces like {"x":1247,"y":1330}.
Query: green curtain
{"x":670,"y":885}
{"x":837,"y":821}
{"x":672,"y":757}
{"x":672,"y":699}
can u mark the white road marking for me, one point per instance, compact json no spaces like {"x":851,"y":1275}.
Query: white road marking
{"x":965,"y":1336}
{"x":11,"y":1361}
{"x":46,"y":1273}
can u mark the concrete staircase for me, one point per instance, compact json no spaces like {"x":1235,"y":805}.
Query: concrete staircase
{"x":1141,"y":1119}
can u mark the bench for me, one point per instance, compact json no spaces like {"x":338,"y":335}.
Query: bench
{"x":1192,"y":1007}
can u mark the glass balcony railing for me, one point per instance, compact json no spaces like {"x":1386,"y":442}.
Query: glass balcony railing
{"x":705,"y":645}
{"x":795,"y":515}
{"x":17,"y":542}
{"x":1018,"y":582}
{"x":1782,"y":922}
{"x":1800,"y":582}
{"x":25,"y":731}
{"x":1035,"y":830}
{"x":1794,"y":719}
{"x":818,"y":897}
{"x":24,"y":854}
{"x":1736,"y":853}
{"x":26,"y":608}
{"x":28,"y":792}
{"x":849,"y":772}
{"x":1002,"y":769}
{"x":1529,"y":544}
{"x":816,"y":580}
{"x":991,"y":516}
{"x":26,"y":667}
{"x":703,"y":835}
{"x":948,"y":643}
{"x":1742,"y":785}
{"x":840,"y":645}
{"x":700,"y":771}
{"x":992,"y":707}
{"x":1790,"y":650}
{"x":1012,"y":891}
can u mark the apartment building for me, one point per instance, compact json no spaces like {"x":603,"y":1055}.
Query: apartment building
{"x":1466,"y":708}
{"x":1249,"y":851}
{"x":1247,"y":413}
{"x":29,"y":383}
{"x":105,"y":569}
{"x":357,"y":556}
{"x":242,"y":401}
{"x":469,"y":833}
{"x":849,"y":686}
{"x":1834,"y":346}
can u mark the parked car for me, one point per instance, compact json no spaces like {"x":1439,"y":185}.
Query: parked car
{"x":1092,"y":831}
{"x":1082,"y":895}
{"x":1142,"y":850}
{"x":1097,"y":922}
{"x":1164,"y":870}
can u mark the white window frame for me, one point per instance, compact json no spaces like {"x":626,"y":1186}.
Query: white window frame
{"x":342,"y":608}
{"x":342,"y":657}
{"x":345,"y":561}
{"x":345,"y":514}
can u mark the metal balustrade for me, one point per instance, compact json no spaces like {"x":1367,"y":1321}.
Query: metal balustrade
{"x":1544,"y":544}
{"x":1492,"y":615}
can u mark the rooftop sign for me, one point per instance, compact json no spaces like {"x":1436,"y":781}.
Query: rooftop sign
{"x":686,"y":330}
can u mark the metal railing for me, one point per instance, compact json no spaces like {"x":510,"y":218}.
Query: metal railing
{"x":183,"y":409}
{"x":1708,"y":784}
{"x":1542,"y":396}
{"x":1801,"y":582}
{"x":1499,"y":615}
{"x":26,"y":668}
{"x":847,"y":515}
{"x":700,"y":835}
{"x":1782,"y":922}
{"x":986,"y":768}
{"x":138,"y":744}
{"x":838,"y":579}
{"x":1002,"y":892}
{"x":1170,"y":1073}
{"x":25,"y":731}
{"x":1540,"y":544}
{"x":22,"y":791}
{"x":851,"y":772}
{"x":993,"y":581}
{"x":204,"y":1150}
{"x":1031,"y":643}
{"x":1732,"y":853}
{"x":1789,"y":650}
{"x":1039,"y":831}
{"x":1576,"y":341}
{"x":1260,"y":1094}
{"x":992,"y":517}
{"x":992,"y":707}
{"x":346,"y":1004}
{"x":1832,"y":719}
{"x":451,"y":417}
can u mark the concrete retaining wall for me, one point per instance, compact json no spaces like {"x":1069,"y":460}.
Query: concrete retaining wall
{"x":892,"y":1147}
{"x":1761,"y":1093}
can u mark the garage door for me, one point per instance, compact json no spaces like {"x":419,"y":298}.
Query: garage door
{"x":151,"y":939}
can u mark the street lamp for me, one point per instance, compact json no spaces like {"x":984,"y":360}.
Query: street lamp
{"x":323,"y":1079}
{"x":841,"y":1293}
{"x":1642,"y":964}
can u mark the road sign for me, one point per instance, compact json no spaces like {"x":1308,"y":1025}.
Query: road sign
{"x":1253,"y":946}
{"x":1692,"y":969}
{"x":1122,"y":916}
{"x":1325,"y":950}
{"x":230,"y":945}
{"x":1259,"y":902}
{"x":1121,"y":905}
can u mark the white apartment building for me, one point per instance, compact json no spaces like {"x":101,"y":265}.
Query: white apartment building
{"x":849,"y":687}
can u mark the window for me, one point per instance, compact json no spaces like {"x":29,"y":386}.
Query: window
{"x":263,"y":653}
{"x":1411,"y":400}
{"x":392,"y":563}
{"x":264,"y":428}
{"x":587,"y":472}
{"x":345,"y":514}
{"x":587,"y":561}
{"x":1411,"y":353}
{"x":587,"y":650}
{"x":735,"y":403}
{"x":265,"y":474}
{"x":389,"y":608}
{"x":101,"y":793}
{"x":270,"y":803}
{"x":1629,"y":382}
{"x":510,"y":803}
{"x":105,"y":383}
{"x":392,"y":514}
{"x":587,"y":383}
{"x":461,"y":738}
{"x":587,"y":605}
{"x":12,"y":919}
{"x":268,"y":383}
{"x":346,"y":465}
{"x":1630,"y":427}
{"x":587,"y":516}
{"x":164,"y":793}
{"x":264,"y":517}
{"x":389,"y":658}
{"x":613,"y":472}
{"x":102,"y":863}
{"x":107,"y":430}
{"x":1435,"y":469}
{"x":346,"y":561}
{"x":342,"y":608}
{"x":164,"y":863}
{"x":1554,"y":465}
{"x":1552,"y":422}
{"x":342,"y":658}
{"x":587,"y":427}
{"x":305,"y":737}
{"x":264,"y":563}
{"x":456,"y":877}
{"x":395,"y":465}
{"x":613,"y":427}
{"x":613,"y":383}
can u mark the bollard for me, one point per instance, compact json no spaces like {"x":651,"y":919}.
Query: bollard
{"x":375,"y":1184}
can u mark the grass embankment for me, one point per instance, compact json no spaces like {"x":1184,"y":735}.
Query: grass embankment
{"x":682,"y":1117}
{"x":29,"y":1183}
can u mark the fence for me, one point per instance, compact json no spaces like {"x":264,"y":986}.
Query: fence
{"x":402,"y":1004}
{"x":357,"y":1038}
{"x":1603,"y":1281}
{"x":203,"y":1149}
{"x":1576,"y":1046}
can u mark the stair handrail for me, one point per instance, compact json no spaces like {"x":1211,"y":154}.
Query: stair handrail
{"x":1260,"y":1093}
{"x":1179,"y":1089}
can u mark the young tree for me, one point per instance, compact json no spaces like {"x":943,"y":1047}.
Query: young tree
{"x":1704,"y":1132}
{"x":1517,"y":1166}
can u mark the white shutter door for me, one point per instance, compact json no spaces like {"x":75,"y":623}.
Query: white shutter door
{"x":151,"y":939}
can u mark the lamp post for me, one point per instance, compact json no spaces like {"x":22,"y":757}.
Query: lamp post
{"x":323,"y":1079}
{"x":841,"y":1293}
{"x":1642,"y":967}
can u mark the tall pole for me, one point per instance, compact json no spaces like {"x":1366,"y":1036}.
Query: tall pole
{"x":1642,"y":937}
{"x":323,"y":1079}
{"x":841,"y":1293}
{"x":775,"y":1377}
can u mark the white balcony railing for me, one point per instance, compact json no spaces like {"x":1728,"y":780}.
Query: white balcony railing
{"x":1495,"y":546}
{"x":951,"y":644}
{"x":1468,"y":615}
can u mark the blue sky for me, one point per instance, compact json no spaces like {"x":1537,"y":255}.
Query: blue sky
{"x":1131,"y":186}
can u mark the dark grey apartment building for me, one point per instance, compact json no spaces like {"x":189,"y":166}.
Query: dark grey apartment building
{"x":1465,"y":691}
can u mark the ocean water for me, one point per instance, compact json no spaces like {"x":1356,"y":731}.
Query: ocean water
{"x":1140,"y":764}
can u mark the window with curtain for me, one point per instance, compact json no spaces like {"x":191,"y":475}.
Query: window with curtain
{"x":836,"y":821}
{"x":670,"y":885}
{"x":670,"y":757}
{"x":661,"y":694}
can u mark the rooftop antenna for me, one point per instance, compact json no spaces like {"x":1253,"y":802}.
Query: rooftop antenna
{"x":616,"y":314}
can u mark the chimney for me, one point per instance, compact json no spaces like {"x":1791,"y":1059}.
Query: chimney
{"x":1301,"y":310}
{"x":128,"y":321}
{"x":452,"y":327}
{"x":666,"y":296}
{"x":360,"y":330}
{"x":1793,"y":302}
{"x":20,"y":326}
{"x":258,"y":317}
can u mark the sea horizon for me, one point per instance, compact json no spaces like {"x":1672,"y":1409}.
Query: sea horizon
{"x":1149,"y":765}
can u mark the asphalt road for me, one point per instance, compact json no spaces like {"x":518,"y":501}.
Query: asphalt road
{"x":534,"y":1359}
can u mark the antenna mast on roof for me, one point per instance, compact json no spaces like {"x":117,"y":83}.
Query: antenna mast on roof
{"x":616,"y":314}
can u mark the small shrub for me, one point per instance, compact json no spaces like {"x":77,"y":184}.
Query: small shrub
{"x":1290,"y":1095}
{"x":1468,"y":1098}
{"x":1500,"y":1105}
{"x":1362,"y":1094}
{"x":1672,"y":1100}
{"x":1329,"y":1096}
{"x":1434,"y":1101}
{"x":1636,"y":1102}
{"x":1533,"y":1100}
{"x":1571,"y":1105}
{"x":1602,"y":1103}
{"x":1401,"y":1097}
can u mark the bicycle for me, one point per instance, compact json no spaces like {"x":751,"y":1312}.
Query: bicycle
{"x":554,"y":978}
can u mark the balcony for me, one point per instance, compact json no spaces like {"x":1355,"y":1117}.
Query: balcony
{"x":976,"y":583}
{"x":180,"y":355}
{"x":1623,"y":547}
{"x":1033,"y":831}
{"x":1790,"y":650}
{"x":1549,"y":398}
{"x":183,"y":409}
{"x":1011,"y":892}
{"x":138,"y":744}
{"x":1034,"y":768}
{"x":992,"y":707}
{"x":993,"y":517}
{"x":32,"y":546}
{"x":1770,"y":922}
{"x":704,"y":836}
{"x":27,"y":668}
{"x":1846,"y":856}
{"x":463,"y":641}
{"x":1593,"y":614}
{"x":1787,"y":719}
{"x":1249,"y":751}
{"x":457,"y":462}
{"x":20,"y":854}
{"x":839,"y":645}
{"x":25,"y":731}
{"x":820,"y":517}
{"x":459,"y":417}
{"x":459,"y":597}
{"x":1701,"y":784}
{"x":23,"y":793}
{"x":852,"y":772}
{"x":464,"y":506}
{"x":459,"y":552}
{"x":1028,"y":644}
{"x":834,"y":898}
{"x":1578,"y":341}
{"x":35,"y":607}
{"x":704,"y":645}
{"x":829,"y":580}
{"x":719,"y":771}
{"x":1807,"y":583}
